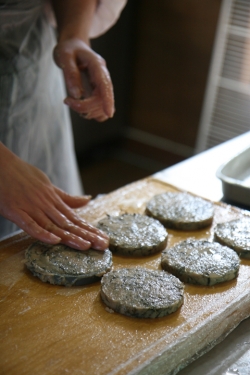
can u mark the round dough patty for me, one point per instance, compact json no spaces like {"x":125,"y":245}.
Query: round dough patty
{"x":201,"y":262}
{"x":62,"y":265}
{"x":236,"y":235}
{"x":180,"y":211}
{"x":134,"y":234}
{"x":142,"y":293}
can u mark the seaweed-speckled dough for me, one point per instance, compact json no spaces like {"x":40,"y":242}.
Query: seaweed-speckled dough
{"x":201,"y":262}
{"x":62,"y":265}
{"x":142,"y":293}
{"x":134,"y":234}
{"x":181,"y":211}
{"x":235,"y":234}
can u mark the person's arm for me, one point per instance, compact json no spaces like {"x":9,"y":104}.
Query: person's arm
{"x":73,"y":55}
{"x":28,"y":198}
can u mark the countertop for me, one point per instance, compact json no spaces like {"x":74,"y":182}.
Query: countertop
{"x":49,"y":329}
{"x":232,"y":355}
{"x":191,"y":175}
{"x":56,"y":330}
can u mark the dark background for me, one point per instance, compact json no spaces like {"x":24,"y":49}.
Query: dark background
{"x":158,"y":55}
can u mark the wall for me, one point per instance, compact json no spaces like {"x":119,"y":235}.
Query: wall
{"x":158,"y":55}
{"x":173,"y":52}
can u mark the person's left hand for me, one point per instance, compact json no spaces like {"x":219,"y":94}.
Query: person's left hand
{"x":75,"y":57}
{"x":45,"y":212}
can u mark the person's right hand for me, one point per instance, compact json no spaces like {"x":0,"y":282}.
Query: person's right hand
{"x":92,"y":97}
{"x":45,"y":212}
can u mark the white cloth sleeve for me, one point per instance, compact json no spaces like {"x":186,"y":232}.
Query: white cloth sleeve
{"x":106,"y":15}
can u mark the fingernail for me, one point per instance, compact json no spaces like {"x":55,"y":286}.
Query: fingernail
{"x":79,"y":244}
{"x":109,"y":112}
{"x":76,"y":93}
{"x":55,"y":238}
{"x":66,"y":101}
{"x":83,"y":197}
{"x":104,"y":235}
{"x":98,"y":242}
{"x":104,"y":242}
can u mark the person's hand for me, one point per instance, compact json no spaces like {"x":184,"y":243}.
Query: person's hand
{"x":30,"y":200}
{"x":76,"y":59}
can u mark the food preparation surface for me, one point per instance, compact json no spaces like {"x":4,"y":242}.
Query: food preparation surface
{"x":48,"y":329}
{"x":235,"y":177}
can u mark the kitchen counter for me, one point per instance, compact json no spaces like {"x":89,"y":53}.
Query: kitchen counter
{"x":198,"y":173}
{"x":232,"y":355}
{"x":56,"y":330}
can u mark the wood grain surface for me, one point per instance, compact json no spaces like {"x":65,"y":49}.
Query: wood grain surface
{"x":47,"y":329}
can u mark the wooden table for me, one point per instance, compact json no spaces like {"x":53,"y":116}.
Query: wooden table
{"x":232,"y":356}
{"x":48,"y":329}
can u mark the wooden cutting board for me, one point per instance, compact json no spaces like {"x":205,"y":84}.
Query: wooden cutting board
{"x":47,"y":329}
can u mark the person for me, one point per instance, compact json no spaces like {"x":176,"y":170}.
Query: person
{"x":39,"y":182}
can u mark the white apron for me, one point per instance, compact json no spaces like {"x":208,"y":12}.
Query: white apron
{"x":34,"y":122}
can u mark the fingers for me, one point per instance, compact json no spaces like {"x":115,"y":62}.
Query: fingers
{"x":25,"y":222}
{"x":99,"y":78}
{"x":63,"y":225}
{"x":58,"y":223}
{"x":64,"y":217}
{"x":72,"y":76}
{"x":89,"y":108}
{"x":69,"y":201}
{"x":106,"y":91}
{"x":94,"y":114}
{"x":60,"y":219}
{"x":60,"y":230}
{"x":77,"y":220}
{"x":44,"y":230}
{"x":73,"y":201}
{"x":85,"y":106}
{"x":98,"y":118}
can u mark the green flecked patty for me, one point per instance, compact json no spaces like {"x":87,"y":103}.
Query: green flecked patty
{"x":134,"y":234}
{"x":180,"y":211}
{"x":236,"y":235}
{"x":142,"y":293}
{"x":201,"y":262}
{"x":62,"y":265}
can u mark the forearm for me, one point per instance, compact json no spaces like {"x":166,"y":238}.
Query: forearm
{"x":6,"y":156}
{"x":74,"y":18}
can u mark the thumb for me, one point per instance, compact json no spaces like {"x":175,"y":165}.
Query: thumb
{"x":72,"y":75}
